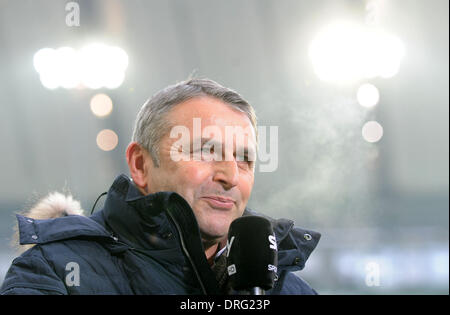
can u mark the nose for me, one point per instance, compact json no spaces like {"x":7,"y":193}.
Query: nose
{"x":226,"y":173}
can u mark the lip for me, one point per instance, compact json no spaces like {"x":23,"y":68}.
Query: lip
{"x":221,"y":203}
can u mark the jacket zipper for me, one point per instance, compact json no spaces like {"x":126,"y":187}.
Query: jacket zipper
{"x":186,"y":252}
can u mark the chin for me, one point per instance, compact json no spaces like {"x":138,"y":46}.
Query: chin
{"x":214,"y":224}
{"x":215,"y":230}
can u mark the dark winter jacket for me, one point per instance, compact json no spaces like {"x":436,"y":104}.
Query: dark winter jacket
{"x":136,"y":245}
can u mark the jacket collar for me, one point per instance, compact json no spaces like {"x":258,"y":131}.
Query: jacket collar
{"x":163,"y":220}
{"x":142,"y":220}
{"x":138,"y":220}
{"x":33,"y":231}
{"x":295,"y":244}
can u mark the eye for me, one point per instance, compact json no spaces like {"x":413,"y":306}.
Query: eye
{"x":244,"y":161}
{"x":208,"y":149}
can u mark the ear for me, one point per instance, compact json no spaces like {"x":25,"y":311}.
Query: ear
{"x":138,"y":159}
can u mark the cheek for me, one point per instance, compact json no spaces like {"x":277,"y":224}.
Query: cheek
{"x":190,"y":176}
{"x":246,"y":186}
{"x":194,"y":172}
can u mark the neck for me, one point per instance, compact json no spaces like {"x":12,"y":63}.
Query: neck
{"x":211,"y":249}
{"x":210,"y":253}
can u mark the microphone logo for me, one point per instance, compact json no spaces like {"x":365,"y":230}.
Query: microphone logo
{"x":229,"y":243}
{"x":231,"y":269}
{"x":271,"y":268}
{"x":272,"y":242}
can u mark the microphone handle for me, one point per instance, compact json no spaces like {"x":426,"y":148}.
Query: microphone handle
{"x":257,"y":291}
{"x":250,"y":291}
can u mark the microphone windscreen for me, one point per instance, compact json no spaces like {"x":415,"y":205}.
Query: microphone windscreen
{"x":252,"y":256}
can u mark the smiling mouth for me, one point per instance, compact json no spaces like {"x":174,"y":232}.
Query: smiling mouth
{"x":220,"y":203}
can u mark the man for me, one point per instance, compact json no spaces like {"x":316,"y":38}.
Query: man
{"x":164,"y":230}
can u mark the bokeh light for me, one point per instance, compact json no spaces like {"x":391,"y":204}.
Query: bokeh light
{"x":107,"y":140}
{"x":101,"y":105}
{"x":368,"y":95}
{"x":372,"y":131}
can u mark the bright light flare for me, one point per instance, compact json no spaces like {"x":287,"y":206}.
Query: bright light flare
{"x":345,"y":52}
{"x":94,"y":66}
{"x":66,"y":67}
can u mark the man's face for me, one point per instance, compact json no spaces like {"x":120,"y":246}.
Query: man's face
{"x":217,"y":190}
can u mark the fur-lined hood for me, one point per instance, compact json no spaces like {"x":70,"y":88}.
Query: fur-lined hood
{"x":54,"y":205}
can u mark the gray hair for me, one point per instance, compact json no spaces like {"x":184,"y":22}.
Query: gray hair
{"x":151,"y":123}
